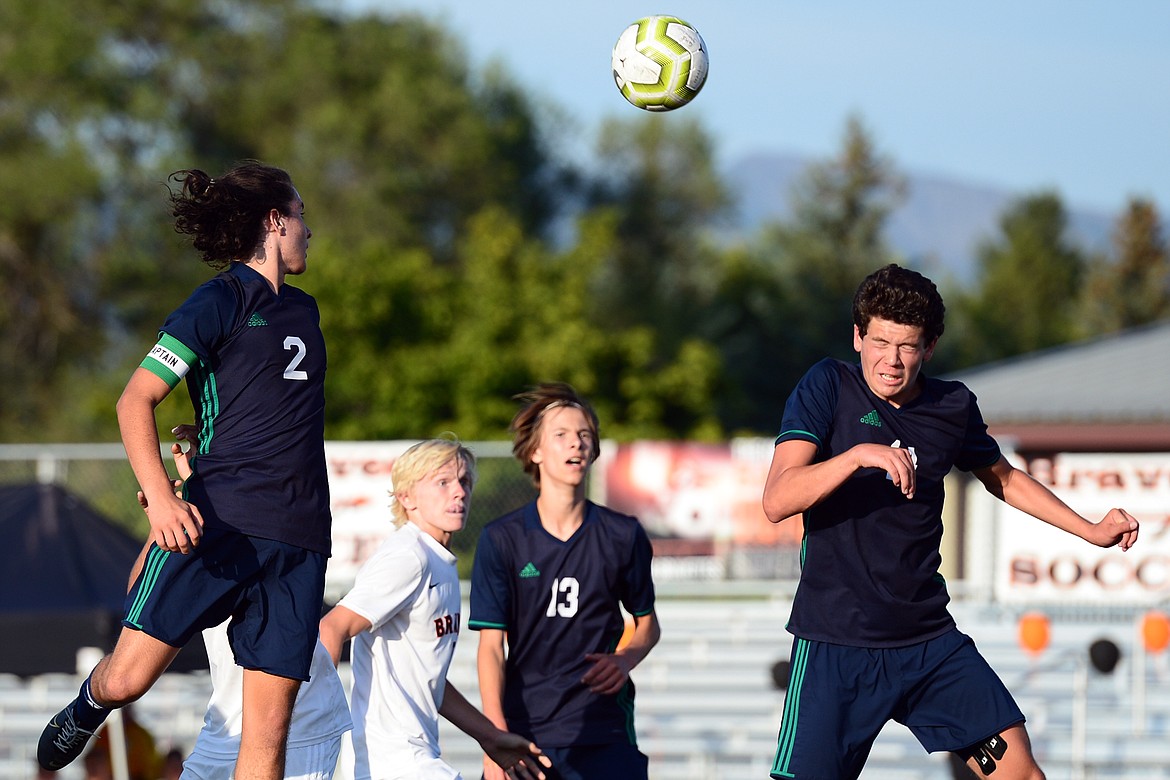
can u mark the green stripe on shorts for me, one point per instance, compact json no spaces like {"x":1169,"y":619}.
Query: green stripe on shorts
{"x":150,"y":571}
{"x":787,"y":738}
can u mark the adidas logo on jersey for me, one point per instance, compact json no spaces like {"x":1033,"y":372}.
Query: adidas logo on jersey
{"x":872,"y":419}
{"x":529,"y":571}
{"x":256,"y":321}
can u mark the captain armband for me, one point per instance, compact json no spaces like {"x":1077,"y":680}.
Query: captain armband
{"x":169,"y":360}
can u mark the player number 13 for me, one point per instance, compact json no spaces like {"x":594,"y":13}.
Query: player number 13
{"x":563,"y":598}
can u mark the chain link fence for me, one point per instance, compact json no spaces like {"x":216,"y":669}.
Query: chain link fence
{"x":101,"y":476}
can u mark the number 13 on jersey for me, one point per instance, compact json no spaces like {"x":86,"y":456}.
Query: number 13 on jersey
{"x":563,"y":597}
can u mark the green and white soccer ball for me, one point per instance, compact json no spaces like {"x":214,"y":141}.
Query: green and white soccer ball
{"x":660,"y":63}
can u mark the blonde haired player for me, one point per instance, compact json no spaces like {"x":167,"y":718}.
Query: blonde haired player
{"x":403,"y":615}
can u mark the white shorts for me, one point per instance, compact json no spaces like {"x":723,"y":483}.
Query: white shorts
{"x":305,"y":762}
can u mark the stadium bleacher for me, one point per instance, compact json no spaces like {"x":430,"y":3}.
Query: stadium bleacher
{"x":707,"y":706}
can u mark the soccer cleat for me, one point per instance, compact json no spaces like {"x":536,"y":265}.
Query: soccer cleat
{"x":62,"y":741}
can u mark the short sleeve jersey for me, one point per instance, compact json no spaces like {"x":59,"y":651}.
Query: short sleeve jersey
{"x":557,"y":601}
{"x":870,"y":558}
{"x":254,"y":361}
{"x":409,"y":592}
{"x":320,"y":712}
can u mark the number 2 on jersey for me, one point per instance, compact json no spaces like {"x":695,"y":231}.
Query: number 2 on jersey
{"x":291,"y":371}
{"x":563,"y":598}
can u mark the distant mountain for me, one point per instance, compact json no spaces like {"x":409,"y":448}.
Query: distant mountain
{"x":938,"y":227}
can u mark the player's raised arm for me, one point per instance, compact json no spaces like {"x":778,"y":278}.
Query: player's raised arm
{"x":1020,"y":490}
{"x":795,"y":483}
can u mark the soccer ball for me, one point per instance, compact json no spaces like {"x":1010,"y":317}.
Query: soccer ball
{"x":660,"y":63}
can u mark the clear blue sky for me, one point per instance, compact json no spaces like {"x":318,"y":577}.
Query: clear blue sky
{"x":1070,"y":95}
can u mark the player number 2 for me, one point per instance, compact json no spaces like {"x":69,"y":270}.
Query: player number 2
{"x":291,"y":371}
{"x":563,"y":599}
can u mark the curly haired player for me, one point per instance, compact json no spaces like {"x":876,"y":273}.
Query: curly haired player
{"x":862,"y":453}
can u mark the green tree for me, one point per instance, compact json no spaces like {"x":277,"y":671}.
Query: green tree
{"x":786,"y":301}
{"x":379,"y":119}
{"x":645,"y":381}
{"x":1133,"y":287}
{"x":430,"y":190}
{"x":1029,"y":283}
{"x":657,"y":175}
{"x":835,"y":240}
{"x":49,"y":197}
{"x":395,"y":146}
{"x":410,"y":359}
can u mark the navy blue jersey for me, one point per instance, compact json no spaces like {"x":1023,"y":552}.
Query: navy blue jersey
{"x":870,"y":561}
{"x":558,"y":600}
{"x":254,"y":362}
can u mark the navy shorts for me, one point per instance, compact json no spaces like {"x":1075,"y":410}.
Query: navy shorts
{"x":840,"y":697}
{"x":271,"y":590}
{"x":597,"y":762}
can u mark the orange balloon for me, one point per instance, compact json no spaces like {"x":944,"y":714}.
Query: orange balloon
{"x":1155,"y":631}
{"x":1034,"y":632}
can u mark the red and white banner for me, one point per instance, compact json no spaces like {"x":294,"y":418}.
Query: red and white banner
{"x":701,"y":492}
{"x":359,"y":488}
{"x":1035,"y":562}
{"x":693,"y":499}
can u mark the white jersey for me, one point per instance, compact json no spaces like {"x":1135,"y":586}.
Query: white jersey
{"x":409,"y":592}
{"x":319,"y":714}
